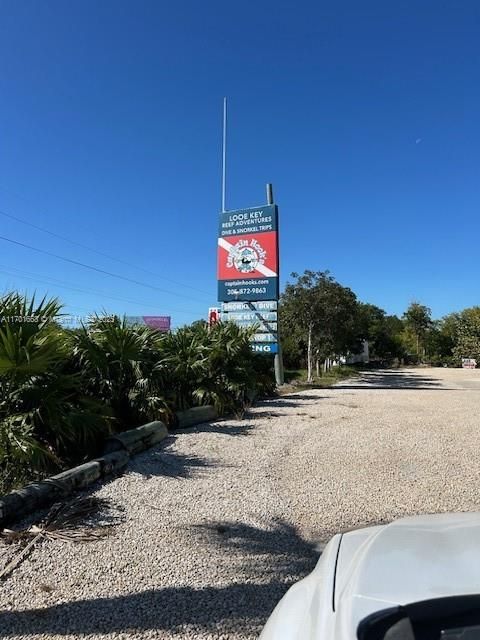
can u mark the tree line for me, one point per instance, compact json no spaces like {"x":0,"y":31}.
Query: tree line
{"x":322,"y":320}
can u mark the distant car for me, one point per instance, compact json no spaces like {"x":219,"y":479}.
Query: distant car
{"x":417,"y":578}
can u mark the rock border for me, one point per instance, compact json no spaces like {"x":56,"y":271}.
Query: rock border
{"x":118,"y":450}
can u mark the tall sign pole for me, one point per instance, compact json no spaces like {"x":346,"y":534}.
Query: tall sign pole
{"x":248,"y":265}
{"x":224,"y":157}
{"x":278,"y":362}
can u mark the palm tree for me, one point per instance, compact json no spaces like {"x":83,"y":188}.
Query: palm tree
{"x":118,"y":365}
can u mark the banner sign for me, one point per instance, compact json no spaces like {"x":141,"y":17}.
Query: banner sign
{"x":248,"y":254}
{"x":469,"y":363}
{"x":161,"y":323}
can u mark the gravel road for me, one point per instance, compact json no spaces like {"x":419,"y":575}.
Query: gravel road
{"x":220,"y":519}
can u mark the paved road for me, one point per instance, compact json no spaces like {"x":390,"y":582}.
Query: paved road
{"x":222,"y":518}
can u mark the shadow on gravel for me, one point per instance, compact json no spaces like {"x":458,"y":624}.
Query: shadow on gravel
{"x":278,"y":551}
{"x":163,"y":462}
{"x":224,"y":428}
{"x":291,"y":401}
{"x":279,"y":557}
{"x":393,"y":380}
{"x":302,"y":395}
{"x":266,"y":414}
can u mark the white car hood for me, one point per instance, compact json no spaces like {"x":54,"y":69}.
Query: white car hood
{"x":366,"y":570}
{"x":409,"y":560}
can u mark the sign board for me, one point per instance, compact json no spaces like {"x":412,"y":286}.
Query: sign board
{"x":469,"y":363}
{"x":252,"y":316}
{"x":248,"y":254}
{"x":213,"y":316}
{"x":261,"y":324}
{"x":265,"y":305}
{"x":161,"y":323}
{"x":264,"y":321}
{"x":264,"y":337}
{"x":265,"y":348}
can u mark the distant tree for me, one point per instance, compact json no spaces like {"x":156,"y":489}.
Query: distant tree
{"x":467,"y":334}
{"x":441,"y":338}
{"x":199,"y":324}
{"x":321,"y":314}
{"x":382,"y":332}
{"x":418,"y":321}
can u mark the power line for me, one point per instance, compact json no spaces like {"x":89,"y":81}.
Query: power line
{"x":98,"y":270}
{"x":61,"y":283}
{"x":100,"y":253}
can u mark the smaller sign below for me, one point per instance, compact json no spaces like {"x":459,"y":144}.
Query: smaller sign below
{"x":264,"y":305}
{"x":249,"y":316}
{"x":266,"y":348}
{"x":469,"y":363}
{"x":161,"y":323}
{"x":265,"y":337}
{"x":262,"y":326}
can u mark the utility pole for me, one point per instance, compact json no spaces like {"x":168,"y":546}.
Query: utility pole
{"x":278,"y":362}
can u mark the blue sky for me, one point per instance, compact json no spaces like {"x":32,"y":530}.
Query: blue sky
{"x":364,"y":116}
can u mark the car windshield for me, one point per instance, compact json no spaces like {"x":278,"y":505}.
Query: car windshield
{"x":452,"y":618}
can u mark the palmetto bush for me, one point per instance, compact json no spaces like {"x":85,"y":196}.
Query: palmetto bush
{"x":214,"y":366}
{"x":45,"y":420}
{"x":62,"y":391}
{"x":119,"y":366}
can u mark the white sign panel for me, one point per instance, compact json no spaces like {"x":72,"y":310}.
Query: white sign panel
{"x":252,"y":316}
{"x":469,"y":363}
{"x":262,"y":326}
{"x":264,"y":337}
{"x":266,"y":305}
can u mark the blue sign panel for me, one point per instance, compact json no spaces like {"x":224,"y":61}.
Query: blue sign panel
{"x":248,"y":254}
{"x":265,"y":348}
{"x":253,"y":220}
{"x":254,"y":289}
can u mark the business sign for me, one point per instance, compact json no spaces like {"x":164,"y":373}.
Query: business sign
{"x":161,"y":323}
{"x":469,"y":363}
{"x":261,"y":325}
{"x":213,"y":316}
{"x":264,"y":305}
{"x":249,"y":316}
{"x":248,"y":254}
{"x":265,"y":322}
{"x":264,"y":337}
{"x":265,"y":348}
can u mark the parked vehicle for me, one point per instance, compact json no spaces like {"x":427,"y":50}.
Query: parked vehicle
{"x":417,"y":578}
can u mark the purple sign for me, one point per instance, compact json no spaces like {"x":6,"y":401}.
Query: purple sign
{"x":161,"y":323}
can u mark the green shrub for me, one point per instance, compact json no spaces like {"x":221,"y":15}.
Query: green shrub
{"x":62,"y":391}
{"x":45,"y":420}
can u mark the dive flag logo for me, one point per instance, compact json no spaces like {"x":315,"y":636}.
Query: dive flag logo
{"x":248,"y":256}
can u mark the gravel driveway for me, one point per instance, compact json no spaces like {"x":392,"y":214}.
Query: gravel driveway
{"x":220,"y":519}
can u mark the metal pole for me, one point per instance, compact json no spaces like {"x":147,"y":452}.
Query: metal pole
{"x":278,"y":362}
{"x":269,"y":193}
{"x":224,"y":156}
